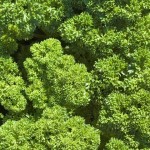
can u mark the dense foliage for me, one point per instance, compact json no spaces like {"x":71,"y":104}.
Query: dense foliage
{"x":75,"y":74}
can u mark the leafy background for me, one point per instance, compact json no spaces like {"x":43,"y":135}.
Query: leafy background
{"x":75,"y":74}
